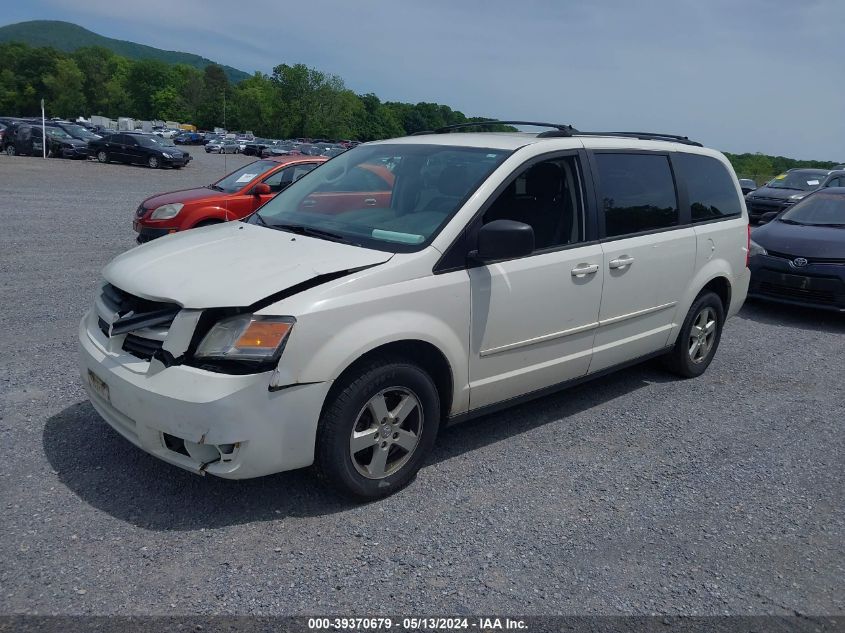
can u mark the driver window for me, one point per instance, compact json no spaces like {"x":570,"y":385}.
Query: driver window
{"x":547,"y":196}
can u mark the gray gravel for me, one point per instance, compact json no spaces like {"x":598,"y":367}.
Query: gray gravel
{"x":637,"y":493}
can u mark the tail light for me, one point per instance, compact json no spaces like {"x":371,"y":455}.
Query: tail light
{"x":748,"y":246}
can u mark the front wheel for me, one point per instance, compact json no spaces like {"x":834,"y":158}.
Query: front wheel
{"x":102,"y":156}
{"x":153,"y":162}
{"x":699,"y":337}
{"x":10,"y":150}
{"x":376,"y":429}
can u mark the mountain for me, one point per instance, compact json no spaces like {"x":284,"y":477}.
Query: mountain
{"x":66,"y":36}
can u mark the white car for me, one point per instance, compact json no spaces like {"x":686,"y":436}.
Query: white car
{"x":412,"y":283}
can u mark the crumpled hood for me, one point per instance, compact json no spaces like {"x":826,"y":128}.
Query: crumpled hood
{"x":230,"y":265}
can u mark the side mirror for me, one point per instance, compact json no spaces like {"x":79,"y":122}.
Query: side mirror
{"x":504,"y":239}
{"x":768,"y":217}
{"x":261,"y":189}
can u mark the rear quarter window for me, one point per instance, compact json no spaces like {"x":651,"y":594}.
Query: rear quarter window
{"x":710,"y":187}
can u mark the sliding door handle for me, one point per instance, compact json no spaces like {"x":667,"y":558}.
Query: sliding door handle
{"x":621,"y":262}
{"x":582,"y":270}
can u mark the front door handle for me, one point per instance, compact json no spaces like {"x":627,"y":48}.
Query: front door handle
{"x":582,"y":270}
{"x":370,"y":202}
{"x":621,"y":262}
{"x":308,"y":203}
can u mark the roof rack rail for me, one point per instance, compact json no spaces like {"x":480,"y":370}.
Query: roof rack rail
{"x":560,"y":128}
{"x":647,"y":136}
{"x":563,"y":130}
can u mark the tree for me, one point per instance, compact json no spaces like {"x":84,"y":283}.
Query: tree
{"x":64,"y":89}
{"x":215,"y":91}
{"x":146,"y":77}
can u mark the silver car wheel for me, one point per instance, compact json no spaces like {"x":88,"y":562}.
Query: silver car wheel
{"x":702,"y":335}
{"x":386,"y":432}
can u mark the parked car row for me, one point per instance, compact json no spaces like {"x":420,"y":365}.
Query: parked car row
{"x":24,"y":137}
{"x":788,"y":188}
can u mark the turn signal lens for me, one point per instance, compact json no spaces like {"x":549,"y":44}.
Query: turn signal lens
{"x":263,"y":334}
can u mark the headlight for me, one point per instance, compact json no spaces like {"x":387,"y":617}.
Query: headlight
{"x":756,"y":249}
{"x":167,"y":211}
{"x":166,"y":155}
{"x":246,"y":337}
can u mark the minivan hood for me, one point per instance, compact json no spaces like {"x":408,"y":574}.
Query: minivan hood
{"x":230,"y":265}
{"x":812,"y":242}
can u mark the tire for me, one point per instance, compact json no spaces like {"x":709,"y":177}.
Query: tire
{"x":153,"y":162}
{"x":103,"y":156}
{"x":694,"y":349}
{"x":390,"y":450}
{"x":10,"y":150}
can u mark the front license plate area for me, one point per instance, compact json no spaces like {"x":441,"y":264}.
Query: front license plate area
{"x":98,"y":385}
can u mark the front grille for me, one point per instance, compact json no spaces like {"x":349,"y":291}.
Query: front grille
{"x":143,"y":348}
{"x":810,"y":260}
{"x":134,"y":314}
{"x":804,"y":294}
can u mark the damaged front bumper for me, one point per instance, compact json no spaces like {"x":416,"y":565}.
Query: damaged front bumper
{"x":232,"y":426}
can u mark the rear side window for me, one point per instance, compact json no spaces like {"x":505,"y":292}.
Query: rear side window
{"x":637,"y":192}
{"x":712,"y":193}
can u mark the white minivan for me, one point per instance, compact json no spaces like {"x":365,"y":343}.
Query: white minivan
{"x":412,"y":283}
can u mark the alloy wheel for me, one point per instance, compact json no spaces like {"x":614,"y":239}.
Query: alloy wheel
{"x":702,"y":334}
{"x":386,"y":432}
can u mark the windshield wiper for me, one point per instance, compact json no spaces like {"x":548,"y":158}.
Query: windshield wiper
{"x":836,"y":225}
{"x":791,"y":222}
{"x":790,"y":188}
{"x":309,"y":231}
{"x":215,"y":187}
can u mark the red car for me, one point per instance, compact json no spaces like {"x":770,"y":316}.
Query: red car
{"x":233,"y":197}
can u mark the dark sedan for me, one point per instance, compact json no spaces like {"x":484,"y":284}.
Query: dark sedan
{"x":142,"y":149}
{"x":782,"y":191}
{"x":799,"y":256}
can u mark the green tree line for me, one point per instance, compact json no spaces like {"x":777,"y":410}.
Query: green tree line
{"x":293,"y":101}
{"x":762,"y":168}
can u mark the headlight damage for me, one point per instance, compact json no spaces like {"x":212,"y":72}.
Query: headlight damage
{"x":246,"y":337}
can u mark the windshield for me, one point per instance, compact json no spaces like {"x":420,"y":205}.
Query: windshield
{"x":154,"y":141}
{"x":388,"y":197}
{"x":237,"y":180}
{"x":57,"y":133}
{"x":80,"y":132}
{"x":819,"y":209}
{"x":798,"y":180}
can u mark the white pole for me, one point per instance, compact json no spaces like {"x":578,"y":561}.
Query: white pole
{"x":43,"y":133}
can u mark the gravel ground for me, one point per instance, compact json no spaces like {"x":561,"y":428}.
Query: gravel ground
{"x":637,"y":493}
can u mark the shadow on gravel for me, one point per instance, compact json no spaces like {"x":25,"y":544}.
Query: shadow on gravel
{"x":793,"y":316}
{"x":110,"y":474}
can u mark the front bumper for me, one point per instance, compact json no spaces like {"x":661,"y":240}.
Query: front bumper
{"x":757,"y":207}
{"x":816,"y":285}
{"x":176,"y":162}
{"x":146,"y":234}
{"x":233,"y":426}
{"x":74,"y":152}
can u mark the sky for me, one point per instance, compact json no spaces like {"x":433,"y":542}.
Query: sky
{"x":738,"y":75}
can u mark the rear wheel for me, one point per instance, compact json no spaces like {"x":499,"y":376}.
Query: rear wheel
{"x":376,"y":428}
{"x":103,"y":156}
{"x":153,"y":162}
{"x":699,"y":337}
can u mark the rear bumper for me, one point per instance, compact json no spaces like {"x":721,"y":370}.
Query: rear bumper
{"x":815,"y":285}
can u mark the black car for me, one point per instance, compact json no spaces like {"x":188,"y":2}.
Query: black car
{"x":747,"y":185}
{"x":799,"y":256}
{"x":76,"y":131}
{"x":256,"y":146}
{"x":783,"y":190}
{"x":25,"y":139}
{"x":142,"y":149}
